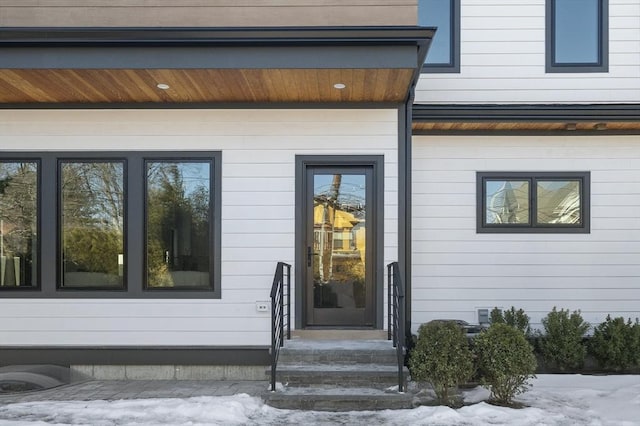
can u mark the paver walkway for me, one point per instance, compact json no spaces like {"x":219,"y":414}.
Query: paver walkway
{"x":136,"y":389}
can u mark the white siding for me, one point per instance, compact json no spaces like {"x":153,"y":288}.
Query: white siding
{"x":258,"y":157}
{"x":456,"y":270}
{"x":503,"y":59}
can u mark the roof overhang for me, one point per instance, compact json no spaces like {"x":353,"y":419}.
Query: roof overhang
{"x":526,"y":118}
{"x":210,"y":65}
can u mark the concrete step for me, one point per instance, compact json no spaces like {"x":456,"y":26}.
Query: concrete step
{"x":343,"y":399}
{"x":338,"y":352}
{"x":339,"y":334}
{"x":339,"y":375}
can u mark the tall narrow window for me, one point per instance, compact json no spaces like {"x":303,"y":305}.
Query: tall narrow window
{"x":92,"y":224}
{"x":577,"y":35}
{"x":178,"y":221}
{"x":18,"y":224}
{"x":444,"y":52}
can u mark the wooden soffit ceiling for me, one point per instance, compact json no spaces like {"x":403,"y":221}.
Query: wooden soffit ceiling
{"x":525,"y":118}
{"x":203,"y":85}
{"x":266,"y":65}
{"x":525,"y":126}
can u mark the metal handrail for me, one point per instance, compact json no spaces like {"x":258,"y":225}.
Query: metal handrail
{"x":396,"y":317}
{"x":280,"y":301}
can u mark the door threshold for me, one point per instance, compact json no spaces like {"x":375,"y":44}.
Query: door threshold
{"x":339,"y":334}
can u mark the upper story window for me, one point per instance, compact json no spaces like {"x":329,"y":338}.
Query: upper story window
{"x":577,"y":35}
{"x":551,"y":202}
{"x":444,"y":52}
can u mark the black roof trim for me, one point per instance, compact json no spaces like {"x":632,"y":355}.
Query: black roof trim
{"x":222,"y":36}
{"x":525,"y":113}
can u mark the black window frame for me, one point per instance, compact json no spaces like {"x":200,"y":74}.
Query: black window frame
{"x":48,"y":251}
{"x":13,"y":158}
{"x":602,"y":65}
{"x":453,"y":66}
{"x":59,"y":230}
{"x":191,"y":159}
{"x":533,"y":226}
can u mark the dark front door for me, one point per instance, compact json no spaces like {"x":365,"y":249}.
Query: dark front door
{"x":338,"y":246}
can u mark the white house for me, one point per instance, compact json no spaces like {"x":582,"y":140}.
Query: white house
{"x":158,"y":161}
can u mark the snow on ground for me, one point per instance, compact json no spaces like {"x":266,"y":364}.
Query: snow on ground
{"x":553,"y":400}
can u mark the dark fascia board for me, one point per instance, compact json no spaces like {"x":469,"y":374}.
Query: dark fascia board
{"x":213,"y":48}
{"x":526,"y":113}
{"x":236,"y":36}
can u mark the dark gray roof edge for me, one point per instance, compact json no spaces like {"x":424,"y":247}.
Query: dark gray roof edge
{"x":525,"y":112}
{"x":178,"y":36}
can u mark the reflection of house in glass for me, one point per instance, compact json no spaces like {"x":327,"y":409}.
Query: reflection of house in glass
{"x":559,"y":202}
{"x":507,"y":202}
{"x":339,"y":241}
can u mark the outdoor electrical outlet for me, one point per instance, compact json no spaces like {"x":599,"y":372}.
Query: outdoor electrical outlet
{"x":262,"y":306}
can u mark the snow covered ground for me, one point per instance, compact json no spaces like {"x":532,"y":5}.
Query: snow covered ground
{"x":553,"y":400}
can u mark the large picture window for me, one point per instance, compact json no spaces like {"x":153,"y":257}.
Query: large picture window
{"x":577,"y":35}
{"x":533,"y":202}
{"x":18,"y":224}
{"x":444,"y":52}
{"x":112,"y":224}
{"x":178,"y":222}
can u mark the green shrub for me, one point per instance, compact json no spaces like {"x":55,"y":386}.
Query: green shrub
{"x":616,"y":344}
{"x":562,"y":344}
{"x":442,"y":357}
{"x":517,"y":319}
{"x":505,"y":360}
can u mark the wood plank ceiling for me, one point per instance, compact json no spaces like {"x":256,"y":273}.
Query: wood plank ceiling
{"x":425,"y":127}
{"x":18,"y":86}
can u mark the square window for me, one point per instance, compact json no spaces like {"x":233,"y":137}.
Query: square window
{"x":444,"y":52}
{"x":559,"y":202}
{"x":577,"y":35}
{"x":507,"y":202}
{"x":542,"y":202}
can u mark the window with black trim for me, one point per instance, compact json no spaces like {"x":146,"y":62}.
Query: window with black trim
{"x":116,"y":224}
{"x":92,"y":224}
{"x":577,"y":35}
{"x":178,"y":224}
{"x":19,"y":225}
{"x":444,"y":52}
{"x":552,"y":202}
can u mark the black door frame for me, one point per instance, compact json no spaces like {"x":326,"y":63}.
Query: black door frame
{"x":376,"y":163}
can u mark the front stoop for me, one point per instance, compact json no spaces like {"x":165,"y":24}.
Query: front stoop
{"x":338,"y":375}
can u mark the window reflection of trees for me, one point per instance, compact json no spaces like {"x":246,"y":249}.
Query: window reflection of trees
{"x":93,"y":223}
{"x":178,"y":217}
{"x":18,"y":223}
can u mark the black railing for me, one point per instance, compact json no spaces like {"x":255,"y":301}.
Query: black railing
{"x":280,"y":302}
{"x":396,"y":317}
